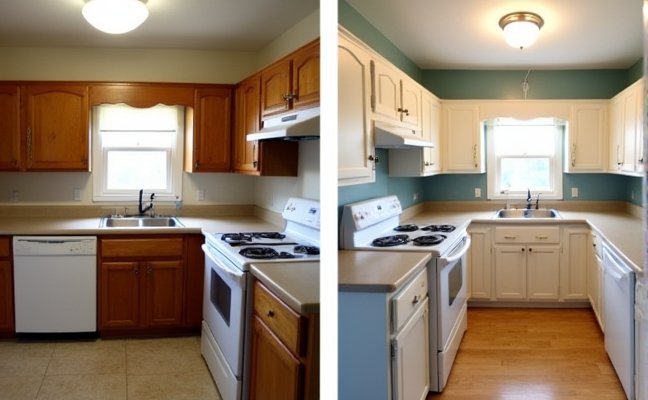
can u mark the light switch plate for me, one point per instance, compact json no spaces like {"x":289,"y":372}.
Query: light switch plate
{"x":574,"y":192}
{"x":477,"y":192}
{"x":200,"y":195}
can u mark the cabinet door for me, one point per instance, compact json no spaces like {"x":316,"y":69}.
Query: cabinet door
{"x":212,"y":130}
{"x":411,"y":359}
{"x":510,"y":272}
{"x":463,"y":139}
{"x":163,"y":291}
{"x":586,"y":138}
{"x":543,"y":272}
{"x":276,"y":89}
{"x":630,"y":129}
{"x":594,"y":277}
{"x":410,"y":105}
{"x":306,"y":76}
{"x":56,"y":122}
{"x":248,"y":103}
{"x":573,"y":276}
{"x":275,"y":373}
{"x":355,"y":139}
{"x":640,"y":89}
{"x":10,"y":128}
{"x":6,"y":297}
{"x":479,"y":264}
{"x":431,"y":128}
{"x":386,"y":92}
{"x":119,"y":291}
{"x":615,"y":156}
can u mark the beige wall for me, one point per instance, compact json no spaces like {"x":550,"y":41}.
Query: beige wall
{"x":159,"y":65}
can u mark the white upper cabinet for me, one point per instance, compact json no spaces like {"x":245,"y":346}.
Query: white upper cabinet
{"x":586,"y":137}
{"x":396,"y":97}
{"x":355,"y":137}
{"x":463,"y":138}
{"x":626,"y":130}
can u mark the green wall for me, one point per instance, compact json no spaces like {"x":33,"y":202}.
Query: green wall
{"x":487,"y":84}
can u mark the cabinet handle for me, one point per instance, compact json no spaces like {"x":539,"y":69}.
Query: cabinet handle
{"x":149,"y":270}
{"x":255,"y":163}
{"x":403,"y":111}
{"x":136,"y":270}
{"x":29,"y":144}
{"x":475,"y":155}
{"x":619,"y":161}
{"x":270,"y":314}
{"x":510,"y":237}
{"x":288,"y":97}
{"x":573,"y":155}
{"x":196,"y":164}
{"x":416,"y":299}
{"x":542,"y":237}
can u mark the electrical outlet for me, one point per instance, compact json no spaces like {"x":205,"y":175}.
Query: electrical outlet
{"x":415,"y":196}
{"x":77,"y":195}
{"x":574,"y":192}
{"x":477,"y":192}
{"x":200,"y":195}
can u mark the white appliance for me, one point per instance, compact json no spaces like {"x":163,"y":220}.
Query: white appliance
{"x":227,"y":296}
{"x":55,"y":284}
{"x":375,"y":225}
{"x":618,"y":308}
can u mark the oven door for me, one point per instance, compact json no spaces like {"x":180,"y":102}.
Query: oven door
{"x":451,"y":289}
{"x":224,"y":306}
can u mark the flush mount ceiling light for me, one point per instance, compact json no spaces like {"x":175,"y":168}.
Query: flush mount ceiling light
{"x":521,"y":29}
{"x":115,"y":16}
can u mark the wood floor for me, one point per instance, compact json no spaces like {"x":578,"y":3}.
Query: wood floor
{"x":532,"y":354}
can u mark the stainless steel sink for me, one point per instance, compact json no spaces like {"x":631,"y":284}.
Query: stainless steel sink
{"x":139,"y":222}
{"x":528,"y":214}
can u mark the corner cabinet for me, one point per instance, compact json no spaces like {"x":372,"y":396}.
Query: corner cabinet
{"x":356,"y":159}
{"x":6,"y":289}
{"x":292,"y":82}
{"x":208,"y":138}
{"x":573,"y":271}
{"x":284,"y":350}
{"x":262,"y":158}
{"x":479,"y":263}
{"x":56,"y":127}
{"x":463,"y":138}
{"x":626,"y":130}
{"x":587,"y":137}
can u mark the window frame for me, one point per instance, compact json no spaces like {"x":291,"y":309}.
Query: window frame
{"x":493,"y":164}
{"x":175,"y":154}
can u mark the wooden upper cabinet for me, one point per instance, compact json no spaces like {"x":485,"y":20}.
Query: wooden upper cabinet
{"x":209,"y":127}
{"x":292,"y":82}
{"x":57,"y":128}
{"x":10,"y":128}
{"x":247,"y":105}
{"x":306,"y":76}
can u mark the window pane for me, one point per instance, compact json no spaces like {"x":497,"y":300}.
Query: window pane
{"x":133,"y":170}
{"x":527,"y":140}
{"x":138,"y":139}
{"x":520,"y":174}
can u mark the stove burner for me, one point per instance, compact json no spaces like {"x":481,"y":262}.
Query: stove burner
{"x":389,"y":241}
{"x":238,"y":238}
{"x":264,"y":253}
{"x":310,"y":250}
{"x":439,"y":228}
{"x":406,"y":228}
{"x":428,"y":240}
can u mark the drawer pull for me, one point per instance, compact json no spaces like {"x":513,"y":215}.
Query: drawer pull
{"x":510,"y":237}
{"x":270,"y":314}
{"x":542,"y":237}
{"x":416,"y":299}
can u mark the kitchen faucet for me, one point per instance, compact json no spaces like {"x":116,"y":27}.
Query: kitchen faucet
{"x":538,"y":201}
{"x":143,"y":209}
{"x":529,"y":199}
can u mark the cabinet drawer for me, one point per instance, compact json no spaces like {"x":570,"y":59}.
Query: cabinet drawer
{"x":405,"y":302}
{"x":4,"y":247}
{"x":150,"y":247}
{"x":536,"y":234}
{"x":283,"y":321}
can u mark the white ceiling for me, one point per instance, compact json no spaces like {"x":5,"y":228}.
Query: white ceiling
{"x":464,"y":34}
{"x":245,"y":25}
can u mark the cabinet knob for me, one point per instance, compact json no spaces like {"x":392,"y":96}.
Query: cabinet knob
{"x":270,"y":314}
{"x":372,"y":158}
{"x":416,"y":299}
{"x":530,"y":249}
{"x":136,"y":270}
{"x":196,"y":164}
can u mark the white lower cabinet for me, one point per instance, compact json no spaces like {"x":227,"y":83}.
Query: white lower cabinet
{"x":411,"y":358}
{"x":595,"y":277}
{"x":573,"y":274}
{"x":543,"y":270}
{"x":479,"y":263}
{"x":510,"y":272}
{"x":526,"y":272}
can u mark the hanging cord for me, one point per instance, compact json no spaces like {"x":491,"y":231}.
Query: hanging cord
{"x":525,"y":84}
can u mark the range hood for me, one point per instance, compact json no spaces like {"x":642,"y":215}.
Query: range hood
{"x":301,"y":125}
{"x":396,"y":137}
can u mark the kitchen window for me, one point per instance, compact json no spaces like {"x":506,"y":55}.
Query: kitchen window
{"x":524,"y":155}
{"x":137,"y":148}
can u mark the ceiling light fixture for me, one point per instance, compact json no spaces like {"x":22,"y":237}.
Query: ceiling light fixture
{"x":521,"y":29}
{"x":115,"y":16}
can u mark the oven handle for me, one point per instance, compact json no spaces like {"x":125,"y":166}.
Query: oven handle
{"x":237,"y":275}
{"x":458,"y":253}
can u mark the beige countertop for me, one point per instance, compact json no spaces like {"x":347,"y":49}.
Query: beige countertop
{"x":377,"y":271}
{"x":622,"y":230}
{"x":295,"y":283}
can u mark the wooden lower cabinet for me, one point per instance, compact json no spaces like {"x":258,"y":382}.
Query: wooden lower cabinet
{"x":285,"y":350}
{"x":276,"y":372}
{"x":150,"y":285}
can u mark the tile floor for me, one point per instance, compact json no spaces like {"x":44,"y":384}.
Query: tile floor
{"x":133,"y":369}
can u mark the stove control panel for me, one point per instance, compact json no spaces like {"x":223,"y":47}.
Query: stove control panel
{"x":303,"y":211}
{"x":367,"y":213}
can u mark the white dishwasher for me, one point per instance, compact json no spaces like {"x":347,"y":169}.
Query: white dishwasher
{"x":55,"y":284}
